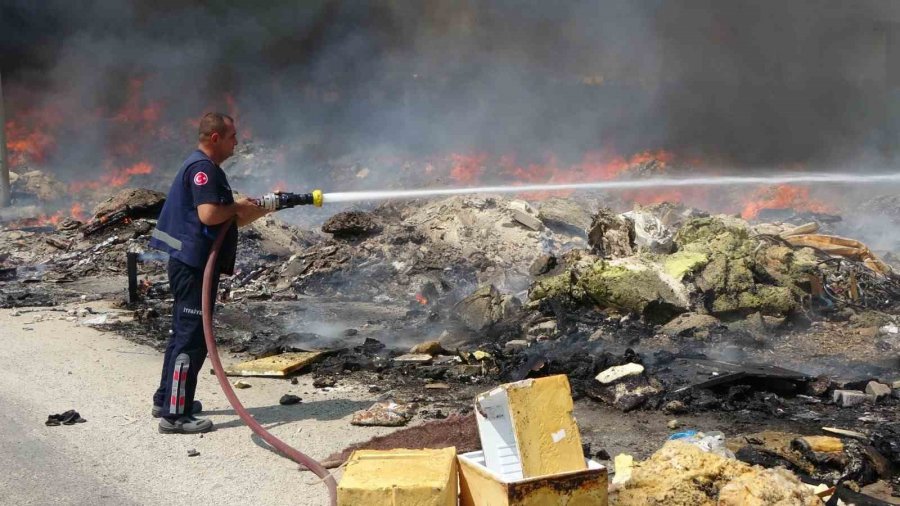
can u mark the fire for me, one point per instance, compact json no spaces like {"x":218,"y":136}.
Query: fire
{"x":26,"y":146}
{"x":548,"y":172}
{"x":53,"y":219}
{"x":600,"y":165}
{"x":531,"y":173}
{"x":122,"y":177}
{"x":782,"y":197}
{"x":136,"y":124}
{"x":280,"y":186}
{"x":595,"y":166}
{"x":113,"y":178}
{"x":77,"y":212}
{"x":603,"y":165}
{"x":43,"y":220}
{"x":135,"y":110}
{"x":29,"y":137}
{"x":421,"y":299}
{"x":467,"y":169}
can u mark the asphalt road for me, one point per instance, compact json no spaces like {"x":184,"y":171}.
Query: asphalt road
{"x":117,"y":456}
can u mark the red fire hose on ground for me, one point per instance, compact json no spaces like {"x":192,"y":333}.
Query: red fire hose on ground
{"x":207,"y":308}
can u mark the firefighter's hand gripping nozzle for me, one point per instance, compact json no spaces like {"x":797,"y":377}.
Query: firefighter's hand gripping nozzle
{"x":284,"y":200}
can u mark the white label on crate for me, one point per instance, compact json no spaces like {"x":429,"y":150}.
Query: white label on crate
{"x":558,"y":436}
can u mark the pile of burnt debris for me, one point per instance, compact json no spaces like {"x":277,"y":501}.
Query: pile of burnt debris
{"x":662,"y":308}
{"x":531,"y":287}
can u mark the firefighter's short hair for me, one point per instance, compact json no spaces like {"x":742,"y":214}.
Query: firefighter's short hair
{"x":213,"y":122}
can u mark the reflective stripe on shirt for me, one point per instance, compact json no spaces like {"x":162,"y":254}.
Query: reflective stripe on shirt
{"x":166,"y":238}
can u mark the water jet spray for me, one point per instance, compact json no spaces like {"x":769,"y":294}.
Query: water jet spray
{"x":277,"y":201}
{"x":821,"y":178}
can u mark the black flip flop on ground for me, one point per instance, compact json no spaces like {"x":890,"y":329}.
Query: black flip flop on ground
{"x":70,"y":417}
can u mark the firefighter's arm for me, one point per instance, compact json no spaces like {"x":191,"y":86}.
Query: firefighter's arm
{"x":248,"y":211}
{"x":245,"y":210}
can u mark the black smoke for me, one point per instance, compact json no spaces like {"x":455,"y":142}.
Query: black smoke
{"x":749,"y":84}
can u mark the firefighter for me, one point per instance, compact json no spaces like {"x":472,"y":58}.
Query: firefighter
{"x":199,"y":204}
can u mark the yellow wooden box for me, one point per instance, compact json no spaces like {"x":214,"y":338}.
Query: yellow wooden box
{"x":479,"y":486}
{"x":400,"y":478}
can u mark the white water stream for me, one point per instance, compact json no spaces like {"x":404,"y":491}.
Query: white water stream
{"x":665,"y":182}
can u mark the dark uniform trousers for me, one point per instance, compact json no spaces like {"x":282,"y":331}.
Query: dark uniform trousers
{"x":186,"y":350}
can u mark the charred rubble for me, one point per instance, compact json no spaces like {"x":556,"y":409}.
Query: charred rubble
{"x":661,"y":308}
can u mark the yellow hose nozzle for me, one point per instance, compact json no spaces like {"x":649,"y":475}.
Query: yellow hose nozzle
{"x":318,"y":198}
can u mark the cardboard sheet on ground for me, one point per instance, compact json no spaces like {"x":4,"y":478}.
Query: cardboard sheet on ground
{"x":841,"y":246}
{"x":277,"y":365}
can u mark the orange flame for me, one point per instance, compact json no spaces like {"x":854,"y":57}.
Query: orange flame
{"x":54,"y":219}
{"x":782,"y":197}
{"x":122,"y":177}
{"x":602,"y":165}
{"x":77,"y":212}
{"x":113,"y":178}
{"x":599,"y":165}
{"x":43,"y":220}
{"x":421,"y":299}
{"x":595,"y":166}
{"x":467,"y":169}
{"x":135,"y":111}
{"x":29,"y":139}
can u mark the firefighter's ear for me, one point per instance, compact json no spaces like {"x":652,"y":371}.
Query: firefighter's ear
{"x":214,"y":138}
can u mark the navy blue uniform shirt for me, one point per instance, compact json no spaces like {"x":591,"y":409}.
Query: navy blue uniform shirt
{"x":179,"y":231}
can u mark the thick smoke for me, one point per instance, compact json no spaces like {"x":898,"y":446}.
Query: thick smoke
{"x":747,"y":84}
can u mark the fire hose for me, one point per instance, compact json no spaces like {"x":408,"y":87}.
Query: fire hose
{"x":272,"y":202}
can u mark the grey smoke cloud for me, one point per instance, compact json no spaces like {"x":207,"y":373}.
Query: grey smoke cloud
{"x":743,"y":83}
